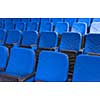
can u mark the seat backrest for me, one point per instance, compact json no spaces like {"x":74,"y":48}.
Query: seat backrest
{"x":35,"y":20}
{"x":32,"y":26}
{"x":52,"y":67}
{"x":87,"y":69}
{"x":92,"y":44}
{"x":48,"y":40}
{"x":20,"y":26}
{"x":95,"y":27}
{"x":24,"y":20}
{"x":21,"y":62}
{"x":29,"y":38}
{"x":85,"y":20}
{"x":8,"y":20}
{"x":61,"y":27}
{"x":1,"y":25}
{"x":9,"y":26}
{"x":45,"y":20}
{"x":16,"y":20}
{"x":13,"y":37}
{"x":96,"y":19}
{"x":2,"y":20}
{"x":2,"y":36}
{"x":3,"y":56}
{"x":79,"y":27}
{"x":56,"y":20}
{"x":71,"y":41}
{"x":46,"y":27}
{"x":70,"y":21}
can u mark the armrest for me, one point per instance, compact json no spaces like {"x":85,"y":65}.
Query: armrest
{"x":96,"y":54}
{"x":6,"y":78}
{"x":15,"y":44}
{"x":73,"y":51}
{"x":33,"y":45}
{"x":26,"y":77}
{"x":2,"y":69}
{"x":53,"y":48}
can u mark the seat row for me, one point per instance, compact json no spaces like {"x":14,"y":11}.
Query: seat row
{"x":59,"y":27}
{"x":69,"y":40}
{"x":52,"y":66}
{"x":46,"y":24}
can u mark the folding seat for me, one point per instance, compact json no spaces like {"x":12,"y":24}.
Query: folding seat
{"x":61,"y":27}
{"x":85,"y":20}
{"x":9,"y":26}
{"x":24,"y":20}
{"x":16,"y":20}
{"x":71,"y":41}
{"x":35,"y":20}
{"x":13,"y":38}
{"x":20,"y":26}
{"x":95,"y":27}
{"x":29,"y":39}
{"x":1,"y":19}
{"x":20,"y":65}
{"x":52,"y":67}
{"x":7,"y":20}
{"x":79,"y":27}
{"x":1,"y":25}
{"x":92,"y":44}
{"x":70,"y":21}
{"x":55,"y":20}
{"x":48,"y":40}
{"x":2,"y":37}
{"x":3,"y":58}
{"x":46,"y":27}
{"x":96,"y":20}
{"x":45,"y":20}
{"x":87,"y":69}
{"x":32,"y":27}
{"x":71,"y":45}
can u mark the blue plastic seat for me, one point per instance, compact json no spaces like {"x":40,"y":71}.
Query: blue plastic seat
{"x":1,"y":19}
{"x":70,"y":21}
{"x":24,"y":20}
{"x":9,"y":26}
{"x":21,"y":63}
{"x":35,"y":20}
{"x":79,"y":27}
{"x":13,"y":38}
{"x":3,"y":57}
{"x":48,"y":40}
{"x":2,"y":37}
{"x":29,"y":38}
{"x":96,"y":20}
{"x":45,"y":20}
{"x":71,"y":41}
{"x":46,"y":27}
{"x":92,"y":44}
{"x":95,"y":27}
{"x":20,"y":26}
{"x":52,"y":67}
{"x":85,"y":20}
{"x":32,"y":27}
{"x":1,"y":25}
{"x":7,"y":20}
{"x":16,"y":20}
{"x":61,"y":27}
{"x":56,"y":20}
{"x":87,"y":69}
